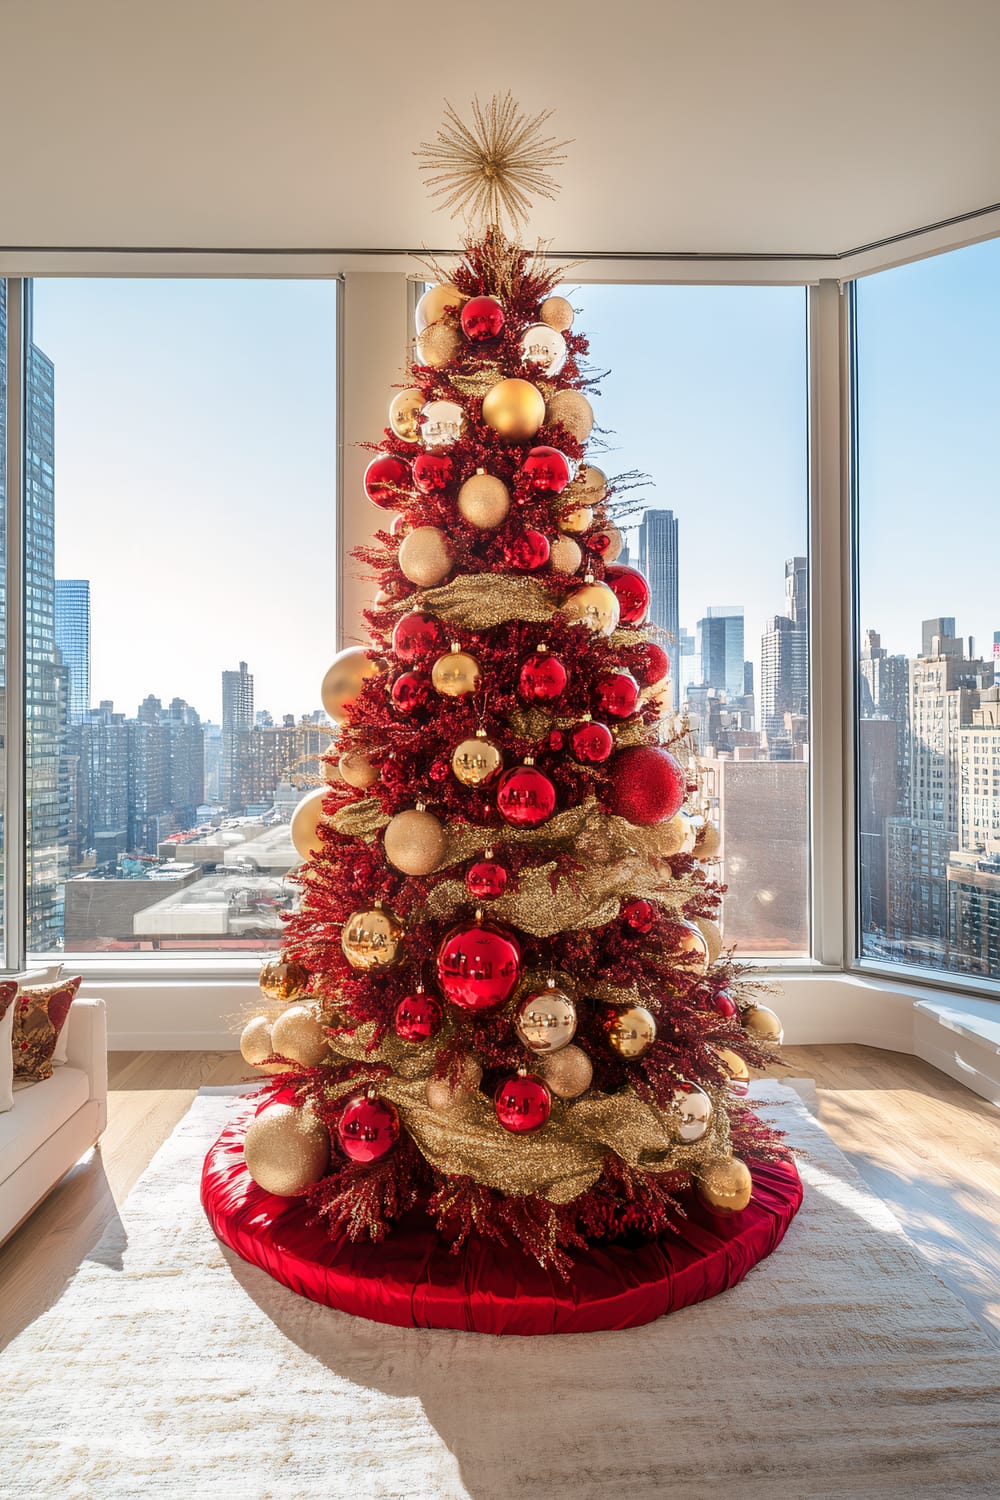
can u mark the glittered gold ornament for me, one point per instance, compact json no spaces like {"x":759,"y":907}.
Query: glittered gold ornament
{"x":545,"y":1020}
{"x":708,"y":841}
{"x":357,"y":770}
{"x":404,"y":409}
{"x":438,"y":345}
{"x":568,"y":1073}
{"x":565,"y":555}
{"x":725,"y":1186}
{"x":690,"y":1109}
{"x":345,"y":677}
{"x":713,"y":937}
{"x":372,"y":939}
{"x":691,"y":948}
{"x":514,"y":408}
{"x":414,"y":841}
{"x":434,"y":303}
{"x":544,"y":349}
{"x":574,"y":411}
{"x":442,"y":425}
{"x":739,"y":1073}
{"x":298,"y":1035}
{"x":305,"y":824}
{"x":425,"y":556}
{"x":441,"y":1096}
{"x":668,"y":837}
{"x":574,"y":519}
{"x":631,"y":1031}
{"x":593,"y":605}
{"x":286,"y":1149}
{"x":283,"y":979}
{"x":484,"y":500}
{"x":764,"y":1024}
{"x":331,"y":766}
{"x":557,"y":312}
{"x":456,"y":673}
{"x":255,"y":1041}
{"x":476,"y":760}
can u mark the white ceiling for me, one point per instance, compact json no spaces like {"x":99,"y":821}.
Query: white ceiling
{"x":698,"y":126}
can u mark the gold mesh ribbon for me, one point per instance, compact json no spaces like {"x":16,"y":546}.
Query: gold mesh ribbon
{"x":363,"y":819}
{"x":478,"y":601}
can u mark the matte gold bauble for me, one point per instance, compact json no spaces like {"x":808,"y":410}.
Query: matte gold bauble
{"x":438,"y":345}
{"x":514,"y":408}
{"x":372,"y":939}
{"x":331,"y":765}
{"x":455,"y":674}
{"x":739,"y":1073}
{"x":475,"y":760}
{"x":557,"y":312}
{"x":575,"y":519}
{"x":725,"y":1186}
{"x":669,"y":836}
{"x":286,"y":1149}
{"x":593,"y":605}
{"x":568,"y":1073}
{"x":631,"y":1032}
{"x":345,"y":677}
{"x":484,"y":501}
{"x":425,"y":556}
{"x":712,"y":935}
{"x":414,"y":841}
{"x":404,"y":409}
{"x":545,"y":1020}
{"x":690,"y":1109}
{"x":283,"y":979}
{"x":255,"y":1041}
{"x":441,"y":1096}
{"x":306,"y":821}
{"x":442,"y":425}
{"x":565,"y":555}
{"x":708,"y":841}
{"x":435,"y":301}
{"x":298,"y":1035}
{"x":357,"y":770}
{"x":692,"y":948}
{"x":764,"y":1024}
{"x":574,"y":411}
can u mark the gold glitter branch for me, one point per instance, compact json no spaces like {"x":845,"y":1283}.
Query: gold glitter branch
{"x":489,"y":168}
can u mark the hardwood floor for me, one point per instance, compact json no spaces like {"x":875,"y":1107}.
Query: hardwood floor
{"x":925,"y":1145}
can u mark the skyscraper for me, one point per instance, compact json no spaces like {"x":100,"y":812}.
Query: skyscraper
{"x":73,"y":640}
{"x":784,"y":654}
{"x":658,"y":553}
{"x":237,"y":717}
{"x":720,"y":635}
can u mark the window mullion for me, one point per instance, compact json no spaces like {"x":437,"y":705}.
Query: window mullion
{"x":15,"y":811}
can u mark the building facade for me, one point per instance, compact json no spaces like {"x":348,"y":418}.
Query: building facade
{"x":658,"y":560}
{"x":72,"y":629}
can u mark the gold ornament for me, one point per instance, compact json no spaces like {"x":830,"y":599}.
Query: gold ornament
{"x":590,"y":487}
{"x":764,"y":1024}
{"x":255,"y":1041}
{"x":725,"y":1186}
{"x":442,"y":426}
{"x":593,"y":605}
{"x":357,"y":770}
{"x":456,"y":673}
{"x":414,"y":841}
{"x":544,"y":349}
{"x":631,"y":1032}
{"x":306,"y":821}
{"x":286,"y":1149}
{"x":331,"y":766}
{"x":475,"y":761}
{"x":575,"y":520}
{"x":514,"y":408}
{"x":425,"y":556}
{"x":739,"y":1073}
{"x":568,"y":1073}
{"x":432,"y":305}
{"x":565,"y":555}
{"x":545,"y":1021}
{"x":692,"y":948}
{"x":713,"y":937}
{"x":344,"y":680}
{"x":283,"y":979}
{"x":557,"y":312}
{"x":297,"y":1035}
{"x":574,"y":411}
{"x":691,"y":1110}
{"x":613,"y":550}
{"x":404,"y":409}
{"x":484,"y":500}
{"x":372,"y":939}
{"x":440,"y":1094}
{"x":438,"y":345}
{"x":708,"y":841}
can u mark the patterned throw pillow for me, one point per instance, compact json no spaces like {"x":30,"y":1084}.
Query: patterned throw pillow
{"x":39,"y":1016}
{"x":8,"y":993}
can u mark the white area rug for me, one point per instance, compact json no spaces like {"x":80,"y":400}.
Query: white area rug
{"x":840,"y":1367}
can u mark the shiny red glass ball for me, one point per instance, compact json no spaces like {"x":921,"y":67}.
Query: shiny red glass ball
{"x":478,"y":966}
{"x":651,"y":663}
{"x":411,"y":692}
{"x":546,"y":471}
{"x":616,"y":694}
{"x":486,"y":880}
{"x":417,"y":635}
{"x":591,"y":742}
{"x":543,"y":678}
{"x":433,"y":472}
{"x":418,"y":1017}
{"x":631,"y":590}
{"x":647,"y":785}
{"x":599,"y":542}
{"x":368,"y":1128}
{"x":527,"y":551}
{"x":526,"y":797}
{"x":522,"y":1104}
{"x":724,"y":1005}
{"x":440,"y":770}
{"x":385,"y":476}
{"x":482,"y":319}
{"x":639,"y":914}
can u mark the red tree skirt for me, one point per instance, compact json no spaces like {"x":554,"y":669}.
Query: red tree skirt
{"x":412,"y":1279}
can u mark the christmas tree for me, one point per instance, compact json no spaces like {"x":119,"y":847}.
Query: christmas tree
{"x":504,"y":1004}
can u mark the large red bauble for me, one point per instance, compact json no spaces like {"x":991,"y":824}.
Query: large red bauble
{"x":486,"y":880}
{"x":368,"y":1128}
{"x":432,"y":472}
{"x":651,"y":663}
{"x":525,"y":797}
{"x":411,"y":692}
{"x":478,"y":966}
{"x":385,"y":476}
{"x":417,"y":635}
{"x":546,"y":471}
{"x":528,"y":551}
{"x":482,"y":319}
{"x":639,"y":914}
{"x":543,"y":678}
{"x":724,"y":1005}
{"x":591,"y":742}
{"x":647,"y":785}
{"x":616,"y":694}
{"x":522,"y":1103}
{"x":418,"y":1017}
{"x":631,"y":590}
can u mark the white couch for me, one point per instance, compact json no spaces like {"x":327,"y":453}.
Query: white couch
{"x":55,"y":1122}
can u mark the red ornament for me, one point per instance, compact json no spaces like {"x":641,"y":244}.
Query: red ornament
{"x":617,"y":694}
{"x":385,"y":476}
{"x":417,"y":635}
{"x":543,"y":678}
{"x":523,"y":1103}
{"x":411,"y":692}
{"x":478,"y":966}
{"x":556,"y":739}
{"x":599,"y":542}
{"x":591,"y":742}
{"x":546,"y":471}
{"x":525,"y":797}
{"x":724,"y":1005}
{"x":631,"y":590}
{"x":368,"y":1128}
{"x":528,"y":551}
{"x":418,"y":1017}
{"x":482,"y":319}
{"x":440,"y":770}
{"x":650,"y":663}
{"x":639,"y":914}
{"x":647,"y":785}
{"x":432,"y":472}
{"x":399,"y":526}
{"x":486,"y":880}
{"x":392,"y":773}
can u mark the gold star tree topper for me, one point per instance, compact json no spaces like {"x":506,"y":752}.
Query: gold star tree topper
{"x":490,"y":168}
